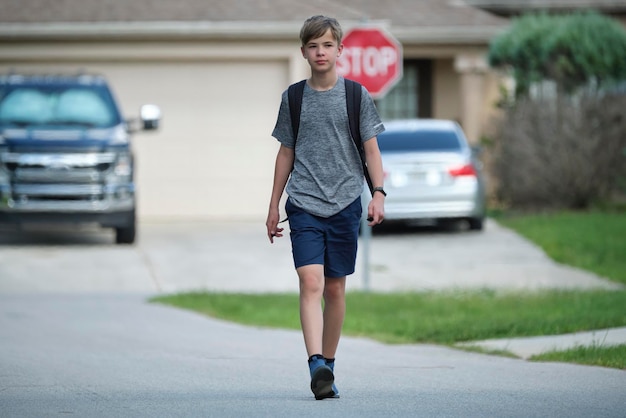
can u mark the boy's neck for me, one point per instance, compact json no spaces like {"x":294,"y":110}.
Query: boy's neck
{"x":324,"y":81}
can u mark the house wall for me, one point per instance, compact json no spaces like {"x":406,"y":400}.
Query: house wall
{"x":446,"y":103}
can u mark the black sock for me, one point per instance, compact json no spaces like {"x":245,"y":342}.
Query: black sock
{"x":316,"y":357}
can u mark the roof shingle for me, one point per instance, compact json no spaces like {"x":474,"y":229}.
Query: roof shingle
{"x":397,"y":12}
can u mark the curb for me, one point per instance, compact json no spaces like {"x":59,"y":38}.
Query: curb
{"x":530,"y":346}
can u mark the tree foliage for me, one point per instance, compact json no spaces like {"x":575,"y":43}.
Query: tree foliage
{"x":572,"y":50}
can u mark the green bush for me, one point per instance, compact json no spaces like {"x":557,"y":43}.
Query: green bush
{"x":561,"y":153}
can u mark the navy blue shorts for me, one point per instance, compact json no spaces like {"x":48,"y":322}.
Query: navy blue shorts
{"x":331,"y":242}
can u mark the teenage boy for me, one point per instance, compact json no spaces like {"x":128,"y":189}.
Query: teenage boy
{"x":324,"y":204}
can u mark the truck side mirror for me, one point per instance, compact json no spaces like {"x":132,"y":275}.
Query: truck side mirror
{"x":150,"y":116}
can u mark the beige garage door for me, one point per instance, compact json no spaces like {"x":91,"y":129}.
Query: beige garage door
{"x":213,"y":157}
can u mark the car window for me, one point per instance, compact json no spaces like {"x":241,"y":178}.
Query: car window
{"x":24,"y":106}
{"x":82,"y":107}
{"x":422,"y":140}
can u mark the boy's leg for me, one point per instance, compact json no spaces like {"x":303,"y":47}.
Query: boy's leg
{"x":334,"y":314}
{"x":312,"y":321}
{"x":311,"y":316}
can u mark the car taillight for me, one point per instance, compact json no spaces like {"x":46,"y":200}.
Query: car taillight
{"x":463,"y":170}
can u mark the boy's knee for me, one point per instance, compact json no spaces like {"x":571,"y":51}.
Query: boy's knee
{"x":310,"y":280}
{"x":334,"y":289}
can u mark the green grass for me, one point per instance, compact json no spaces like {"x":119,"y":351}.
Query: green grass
{"x":595,"y":355}
{"x":432,"y":317}
{"x":594,"y":240}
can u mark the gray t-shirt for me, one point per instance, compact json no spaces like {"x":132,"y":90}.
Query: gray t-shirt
{"x":327,"y":175}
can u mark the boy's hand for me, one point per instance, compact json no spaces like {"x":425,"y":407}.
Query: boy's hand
{"x":272,"y":225}
{"x":376,"y":209}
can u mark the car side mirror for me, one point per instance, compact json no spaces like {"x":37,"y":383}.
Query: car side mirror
{"x":150,"y":117}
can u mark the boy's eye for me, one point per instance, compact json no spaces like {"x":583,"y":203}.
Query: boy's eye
{"x":328,"y":45}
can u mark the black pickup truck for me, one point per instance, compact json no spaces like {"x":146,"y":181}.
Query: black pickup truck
{"x":65,"y":153}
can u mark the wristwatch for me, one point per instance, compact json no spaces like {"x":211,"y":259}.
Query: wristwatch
{"x":379,"y":189}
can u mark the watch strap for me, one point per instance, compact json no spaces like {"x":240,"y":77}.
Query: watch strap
{"x":379,"y":189}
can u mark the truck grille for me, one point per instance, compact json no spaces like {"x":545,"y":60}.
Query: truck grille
{"x":58,"y":177}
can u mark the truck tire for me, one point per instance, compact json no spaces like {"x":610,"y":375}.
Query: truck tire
{"x":125,"y":235}
{"x":476,"y":224}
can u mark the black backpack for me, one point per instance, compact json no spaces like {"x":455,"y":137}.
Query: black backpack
{"x":353,"y":103}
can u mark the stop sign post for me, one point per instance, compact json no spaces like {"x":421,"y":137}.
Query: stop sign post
{"x":372,"y":57}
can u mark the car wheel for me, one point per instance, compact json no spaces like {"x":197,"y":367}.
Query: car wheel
{"x":125,"y":235}
{"x":476,"y":224}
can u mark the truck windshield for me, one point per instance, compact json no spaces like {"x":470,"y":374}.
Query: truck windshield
{"x":25,"y":106}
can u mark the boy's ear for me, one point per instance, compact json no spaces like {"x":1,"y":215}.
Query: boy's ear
{"x":339,"y":50}
{"x":302,"y":50}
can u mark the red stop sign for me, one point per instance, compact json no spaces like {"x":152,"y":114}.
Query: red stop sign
{"x":372,"y":57}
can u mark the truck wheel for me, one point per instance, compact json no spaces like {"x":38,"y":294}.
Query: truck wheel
{"x":125,"y":235}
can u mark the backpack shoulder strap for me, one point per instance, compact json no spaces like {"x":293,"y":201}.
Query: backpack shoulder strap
{"x":353,"y":102}
{"x":294,"y":94}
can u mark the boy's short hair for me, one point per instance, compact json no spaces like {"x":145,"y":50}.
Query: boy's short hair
{"x":316,"y":26}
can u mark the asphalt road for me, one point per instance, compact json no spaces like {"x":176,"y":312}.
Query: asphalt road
{"x":78,"y":338}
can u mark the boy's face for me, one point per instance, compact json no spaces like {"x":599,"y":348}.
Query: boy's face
{"x":322,"y":52}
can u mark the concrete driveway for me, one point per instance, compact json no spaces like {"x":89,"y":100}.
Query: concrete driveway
{"x":221,"y":256}
{"x":78,"y":338}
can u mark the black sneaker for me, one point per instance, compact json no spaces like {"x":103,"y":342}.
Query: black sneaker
{"x":322,"y":378}
{"x":322,"y":383}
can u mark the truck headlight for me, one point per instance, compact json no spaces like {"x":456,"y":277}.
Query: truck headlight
{"x":123,"y":166}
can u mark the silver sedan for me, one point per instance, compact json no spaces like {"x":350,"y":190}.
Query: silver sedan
{"x":432,"y":174}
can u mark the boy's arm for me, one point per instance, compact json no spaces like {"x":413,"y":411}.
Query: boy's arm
{"x":376,"y":207}
{"x":282,"y":170}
